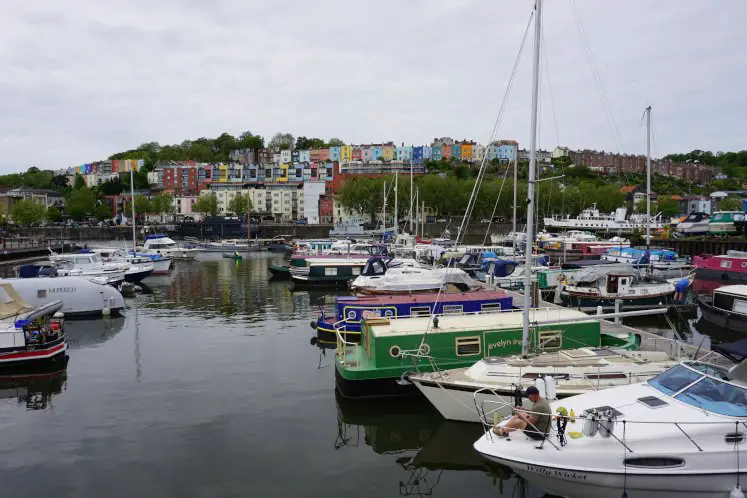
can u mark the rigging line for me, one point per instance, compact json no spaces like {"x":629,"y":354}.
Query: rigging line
{"x":549,"y":86}
{"x":467,"y":214}
{"x":481,"y":173}
{"x":495,"y":207}
{"x":597,"y":78}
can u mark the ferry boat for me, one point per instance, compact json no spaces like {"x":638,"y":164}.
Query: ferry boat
{"x":592,"y":287}
{"x":726,"y":308}
{"x":29,"y":337}
{"x":390,"y":348}
{"x":163,"y":245}
{"x":230,"y":245}
{"x":592,"y":219}
{"x":678,"y":434}
{"x":713,"y":271}
{"x":350,"y":311}
{"x":725,"y":222}
{"x":661,"y":263}
{"x":693,"y":224}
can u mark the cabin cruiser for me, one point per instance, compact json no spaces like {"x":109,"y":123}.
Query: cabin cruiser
{"x":726,"y":222}
{"x":693,"y":224}
{"x":80,"y":296}
{"x":163,"y":245}
{"x":412,"y":279}
{"x":138,"y":268}
{"x":230,"y":245}
{"x":89,"y":265}
{"x":661,"y":263}
{"x":726,"y":307}
{"x":29,"y":336}
{"x":456,"y":393}
{"x":678,"y":434}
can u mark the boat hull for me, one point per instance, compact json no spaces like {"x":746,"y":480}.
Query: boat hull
{"x":32,"y":360}
{"x":373,"y":388}
{"x":80,"y":297}
{"x":734,"y":322}
{"x":280,"y":272}
{"x":583,"y":302}
{"x":459,"y":403}
{"x":137,"y":276}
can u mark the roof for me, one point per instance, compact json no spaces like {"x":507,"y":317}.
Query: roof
{"x":735,"y":351}
{"x":483,"y":321}
{"x":627,"y":189}
{"x":737,"y":290}
{"x":447,"y":297}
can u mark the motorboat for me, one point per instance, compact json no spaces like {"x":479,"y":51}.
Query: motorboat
{"x":89,"y":265}
{"x":138,"y":268}
{"x":230,"y":245}
{"x":29,"y":336}
{"x":232,"y":255}
{"x":595,"y":286}
{"x":457,"y":393}
{"x":163,"y":245}
{"x":409,"y":280}
{"x":678,"y":434}
{"x":161,"y":263}
{"x":726,"y":222}
{"x":693,"y":224}
{"x":661,"y":263}
{"x":726,"y":307}
{"x":80,"y":296}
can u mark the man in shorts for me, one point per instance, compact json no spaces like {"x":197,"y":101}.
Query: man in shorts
{"x":535,"y":423}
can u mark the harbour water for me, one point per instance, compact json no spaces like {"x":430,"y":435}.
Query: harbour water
{"x":210,"y":386}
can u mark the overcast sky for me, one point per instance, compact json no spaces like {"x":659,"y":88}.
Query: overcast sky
{"x":82,"y":79}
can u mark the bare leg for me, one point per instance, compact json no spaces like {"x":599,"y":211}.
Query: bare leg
{"x":517,"y":422}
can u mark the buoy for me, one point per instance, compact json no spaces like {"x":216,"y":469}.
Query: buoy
{"x":106,"y":311}
{"x":736,"y":492}
{"x":59,"y":314}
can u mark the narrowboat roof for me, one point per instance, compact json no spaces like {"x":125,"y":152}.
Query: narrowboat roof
{"x":446,"y":297}
{"x":735,"y":290}
{"x":465,"y":323}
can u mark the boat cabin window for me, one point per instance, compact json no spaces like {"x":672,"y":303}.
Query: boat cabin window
{"x":81,"y":261}
{"x":490,"y":307}
{"x":654,"y":462}
{"x":550,"y":340}
{"x":468,"y":346}
{"x":674,"y":379}
{"x":420,"y":311}
{"x":739,"y":306}
{"x":453,"y":309}
{"x":356,"y":270}
{"x":717,"y":397}
{"x":330,"y":272}
{"x":726,"y":263}
{"x":612,"y":284}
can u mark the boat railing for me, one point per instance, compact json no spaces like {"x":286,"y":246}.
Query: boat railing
{"x":345,"y":349}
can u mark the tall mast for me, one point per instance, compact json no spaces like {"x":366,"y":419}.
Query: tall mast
{"x":384,"y":215}
{"x":422,"y":221}
{"x":530,"y":184}
{"x":516,"y":183}
{"x":396,"y":207}
{"x":132,"y":205}
{"x":248,"y":216}
{"x":411,"y":192}
{"x":648,"y":177}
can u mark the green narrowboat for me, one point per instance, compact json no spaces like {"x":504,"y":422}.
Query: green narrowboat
{"x":328,"y":270}
{"x":390,"y":348}
{"x":725,"y":222}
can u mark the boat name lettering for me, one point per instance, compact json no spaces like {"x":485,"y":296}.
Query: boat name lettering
{"x":563,"y":474}
{"x":504,"y":343}
{"x":58,"y":290}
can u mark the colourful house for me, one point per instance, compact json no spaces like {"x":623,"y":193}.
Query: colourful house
{"x":456,"y":151}
{"x":427,"y":152}
{"x":387,"y":152}
{"x":304,"y":156}
{"x":376,"y":152}
{"x":436,"y":152}
{"x":417,"y":154}
{"x":334,"y":153}
{"x":357,"y":153}
{"x":404,"y":153}
{"x":325,"y":154}
{"x":346,"y":153}
{"x":365,"y":153}
{"x":466,"y":152}
{"x":446,"y":152}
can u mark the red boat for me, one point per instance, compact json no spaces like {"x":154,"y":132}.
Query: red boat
{"x":713,"y":271}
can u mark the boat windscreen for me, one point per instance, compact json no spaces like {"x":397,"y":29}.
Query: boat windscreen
{"x":717,"y":397}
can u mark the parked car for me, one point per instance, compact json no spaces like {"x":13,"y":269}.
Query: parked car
{"x":301,"y":222}
{"x":441,"y":220}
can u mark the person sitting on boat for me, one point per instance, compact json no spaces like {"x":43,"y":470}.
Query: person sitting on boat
{"x":680,"y":290}
{"x":534,"y":423}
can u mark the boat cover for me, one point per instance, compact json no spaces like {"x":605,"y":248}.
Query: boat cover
{"x":594,"y":273}
{"x":735,"y":351}
{"x":11,"y":304}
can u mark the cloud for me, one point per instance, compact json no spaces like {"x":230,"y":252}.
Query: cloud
{"x":81,"y":79}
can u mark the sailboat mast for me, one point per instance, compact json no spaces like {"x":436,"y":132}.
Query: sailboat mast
{"x":411,"y":193}
{"x":516,"y":184}
{"x":648,"y":177}
{"x":396,"y":202}
{"x":530,"y":184}
{"x":384,"y":215}
{"x":132,"y":205}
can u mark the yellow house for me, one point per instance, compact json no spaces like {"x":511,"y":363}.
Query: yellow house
{"x":283,"y":177}
{"x":466,"y":152}
{"x":387,"y":152}
{"x":223,"y":168}
{"x":346,"y":153}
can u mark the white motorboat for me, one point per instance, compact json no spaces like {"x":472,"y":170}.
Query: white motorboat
{"x":693,"y":224}
{"x":411,"y":279}
{"x":163,"y":245}
{"x":457,"y":393}
{"x":80,"y":296}
{"x":661,"y":263}
{"x":138,"y":269}
{"x":230,"y":245}
{"x":88,"y":264}
{"x":679,"y":434}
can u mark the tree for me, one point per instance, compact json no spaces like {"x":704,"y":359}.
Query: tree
{"x":102,"y":212}
{"x":112,"y":187}
{"x":282,"y":141}
{"x":79,"y":182}
{"x":143,"y":206}
{"x":206,"y":204}
{"x":335,"y":142}
{"x":163,"y":204}
{"x":80,"y":203}
{"x":668,"y":207}
{"x":27,"y":212}
{"x":730,"y":204}
{"x":54,"y":215}
{"x":240,"y":204}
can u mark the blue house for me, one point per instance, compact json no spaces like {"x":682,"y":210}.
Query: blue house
{"x":334,"y":153}
{"x":436,"y":152}
{"x":417,"y":154}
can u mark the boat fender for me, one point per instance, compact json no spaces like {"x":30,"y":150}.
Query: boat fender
{"x":313,"y":324}
{"x":106,"y":311}
{"x":59,"y":314}
{"x":550,"y":387}
{"x":736,"y":492}
{"x":539,"y":383}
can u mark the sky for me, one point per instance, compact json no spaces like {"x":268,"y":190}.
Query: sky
{"x":83,"y":79}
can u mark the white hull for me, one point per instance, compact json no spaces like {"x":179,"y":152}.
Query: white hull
{"x":161,"y":267}
{"x":458,"y":405}
{"x":79,"y":295}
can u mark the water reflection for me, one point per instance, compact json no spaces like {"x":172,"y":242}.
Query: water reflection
{"x":34,"y":391}
{"x":422,"y":443}
{"x":90,"y":333}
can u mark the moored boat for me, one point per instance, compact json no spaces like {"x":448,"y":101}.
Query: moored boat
{"x":693,"y":224}
{"x":661,"y":263}
{"x":725,"y":222}
{"x":163,"y":245}
{"x":80,"y":296}
{"x":713,"y":271}
{"x":726,"y":308}
{"x":230,"y":255}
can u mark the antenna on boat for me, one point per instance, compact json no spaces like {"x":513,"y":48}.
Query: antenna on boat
{"x":530,"y":181}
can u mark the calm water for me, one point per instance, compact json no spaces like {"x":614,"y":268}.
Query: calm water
{"x":209,"y":386}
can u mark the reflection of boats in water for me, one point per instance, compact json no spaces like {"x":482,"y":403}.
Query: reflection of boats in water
{"x":88,"y":333}
{"x":34,"y":390}
{"x":425,"y":444}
